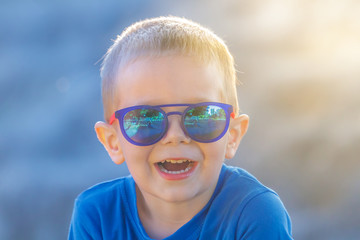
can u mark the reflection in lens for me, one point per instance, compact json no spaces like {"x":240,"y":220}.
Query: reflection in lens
{"x":144,"y":125}
{"x":205,"y":123}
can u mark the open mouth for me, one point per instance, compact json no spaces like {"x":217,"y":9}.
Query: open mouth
{"x":175,"y":166}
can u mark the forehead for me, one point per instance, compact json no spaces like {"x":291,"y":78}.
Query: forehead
{"x":168,"y":80}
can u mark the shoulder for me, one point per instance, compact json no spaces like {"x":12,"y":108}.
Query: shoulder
{"x":251,"y":207}
{"x":102,"y":198}
{"x":97,"y":207}
{"x":239,"y":184}
{"x":236,"y":187}
{"x":103,"y":191}
{"x":264,"y":215}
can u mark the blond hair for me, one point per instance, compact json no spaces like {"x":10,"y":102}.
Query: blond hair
{"x":164,"y":36}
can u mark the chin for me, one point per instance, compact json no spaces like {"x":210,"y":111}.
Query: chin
{"x":179,"y":195}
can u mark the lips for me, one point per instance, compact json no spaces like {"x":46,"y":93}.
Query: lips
{"x":176,"y":169}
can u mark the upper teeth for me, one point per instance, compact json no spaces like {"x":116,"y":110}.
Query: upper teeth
{"x":174,"y":161}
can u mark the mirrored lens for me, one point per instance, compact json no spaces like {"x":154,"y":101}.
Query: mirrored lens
{"x":205,"y":123}
{"x":144,"y":125}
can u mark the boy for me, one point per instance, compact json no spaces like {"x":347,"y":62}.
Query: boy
{"x":170,"y":103}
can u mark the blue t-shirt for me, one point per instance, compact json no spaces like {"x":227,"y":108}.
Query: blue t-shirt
{"x":240,"y":208}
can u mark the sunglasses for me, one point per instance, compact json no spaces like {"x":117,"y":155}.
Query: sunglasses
{"x":145,"y":125}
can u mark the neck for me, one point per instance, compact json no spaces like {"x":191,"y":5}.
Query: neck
{"x":161,"y":218}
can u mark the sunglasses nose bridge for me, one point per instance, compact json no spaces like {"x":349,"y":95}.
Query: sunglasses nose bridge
{"x":174,"y":113}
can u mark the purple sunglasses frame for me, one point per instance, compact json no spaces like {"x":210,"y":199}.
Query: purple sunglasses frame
{"x":120,"y":114}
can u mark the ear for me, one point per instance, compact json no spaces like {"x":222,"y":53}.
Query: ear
{"x":237,"y":130}
{"x":107,"y":135}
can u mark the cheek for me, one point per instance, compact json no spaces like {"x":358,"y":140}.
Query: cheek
{"x":134,"y":155}
{"x":215,"y":152}
{"x":137,"y":161}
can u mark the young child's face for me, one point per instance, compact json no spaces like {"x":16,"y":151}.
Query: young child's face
{"x":172,"y":80}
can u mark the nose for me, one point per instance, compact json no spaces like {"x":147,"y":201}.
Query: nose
{"x":175,"y":133}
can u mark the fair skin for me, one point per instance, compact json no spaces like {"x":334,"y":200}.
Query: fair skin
{"x":165,"y":205}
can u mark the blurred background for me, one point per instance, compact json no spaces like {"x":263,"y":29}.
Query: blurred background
{"x":299,"y":64}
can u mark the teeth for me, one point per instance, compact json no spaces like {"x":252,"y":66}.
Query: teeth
{"x":174,"y":161}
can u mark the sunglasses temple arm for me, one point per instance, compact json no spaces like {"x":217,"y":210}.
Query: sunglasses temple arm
{"x":112,"y":119}
{"x":232,"y":115}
